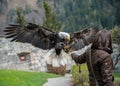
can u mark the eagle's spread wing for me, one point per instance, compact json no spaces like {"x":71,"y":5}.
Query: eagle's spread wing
{"x":38,"y":36}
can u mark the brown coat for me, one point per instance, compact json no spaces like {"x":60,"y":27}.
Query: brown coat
{"x":99,"y":61}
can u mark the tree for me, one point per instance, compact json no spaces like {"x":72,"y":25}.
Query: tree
{"x":50,"y":18}
{"x":116,"y":39}
{"x":87,"y":13}
{"x":20,"y":16}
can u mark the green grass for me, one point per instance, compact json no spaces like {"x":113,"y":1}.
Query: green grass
{"x":117,"y":78}
{"x":22,"y":78}
{"x":117,"y":75}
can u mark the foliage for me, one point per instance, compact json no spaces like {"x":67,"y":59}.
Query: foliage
{"x":117,"y":79}
{"x":20,"y":16}
{"x":80,"y":78}
{"x":116,"y":39}
{"x":116,"y":34}
{"x":79,"y":14}
{"x":50,"y":18}
{"x":22,"y":78}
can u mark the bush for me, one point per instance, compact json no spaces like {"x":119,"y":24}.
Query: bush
{"x":117,"y":79}
{"x":117,"y":82}
{"x":116,"y":34}
{"x":80,"y":78}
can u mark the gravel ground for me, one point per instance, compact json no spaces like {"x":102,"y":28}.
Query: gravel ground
{"x":61,"y":81}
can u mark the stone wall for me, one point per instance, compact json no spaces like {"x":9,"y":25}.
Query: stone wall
{"x":9,"y":56}
{"x":116,"y":51}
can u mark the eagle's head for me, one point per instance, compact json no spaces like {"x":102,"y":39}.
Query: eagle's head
{"x":65,"y":36}
{"x":62,"y":40}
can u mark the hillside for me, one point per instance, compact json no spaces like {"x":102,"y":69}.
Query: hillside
{"x":74,"y":14}
{"x":8,"y":7}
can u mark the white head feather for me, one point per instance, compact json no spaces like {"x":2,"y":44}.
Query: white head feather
{"x":64,"y":35}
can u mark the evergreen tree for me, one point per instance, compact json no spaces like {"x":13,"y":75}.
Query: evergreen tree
{"x":20,"y":16}
{"x":50,"y":18}
{"x":79,"y":14}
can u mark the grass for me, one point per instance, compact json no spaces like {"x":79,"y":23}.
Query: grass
{"x":117,"y":79}
{"x":22,"y":78}
{"x":117,"y":75}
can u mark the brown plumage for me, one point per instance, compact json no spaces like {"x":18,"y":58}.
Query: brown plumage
{"x":38,"y":36}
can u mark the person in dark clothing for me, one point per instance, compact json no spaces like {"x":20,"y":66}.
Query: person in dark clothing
{"x":98,"y":60}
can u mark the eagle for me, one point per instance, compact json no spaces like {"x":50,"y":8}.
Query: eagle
{"x":58,"y":43}
{"x":38,"y":36}
{"x":41,"y":37}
